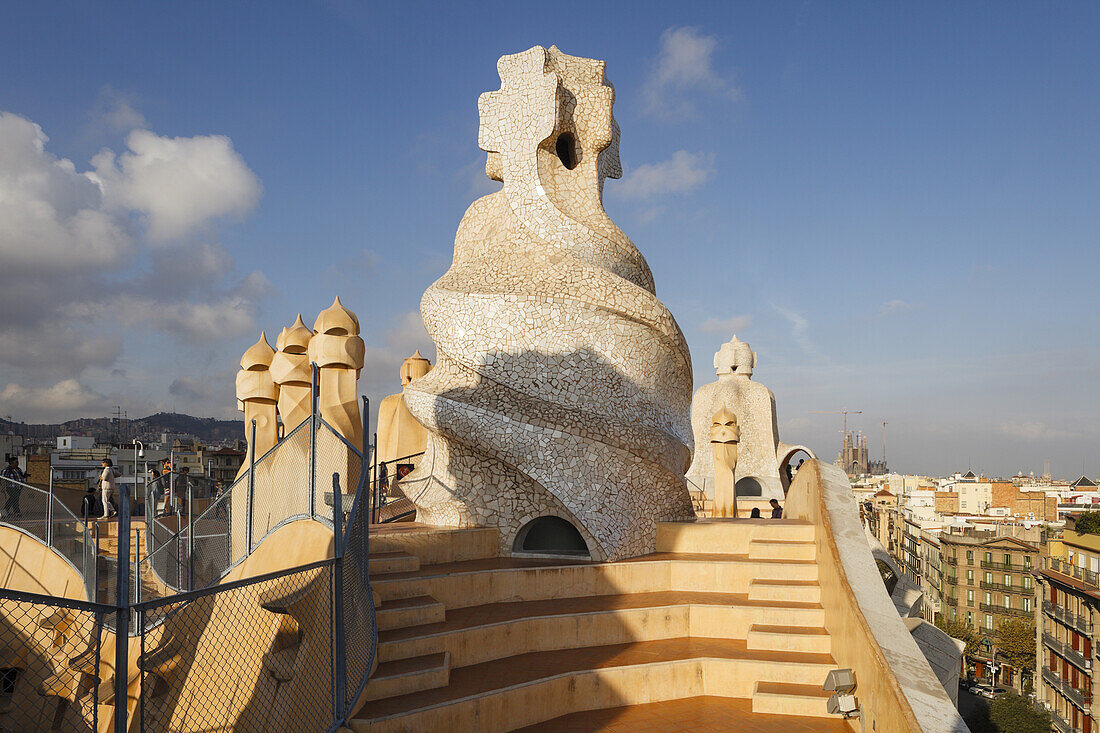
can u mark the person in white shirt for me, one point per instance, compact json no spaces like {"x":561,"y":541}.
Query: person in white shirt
{"x":107,"y":485}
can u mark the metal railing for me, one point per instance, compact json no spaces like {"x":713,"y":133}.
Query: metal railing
{"x":1006,"y":588}
{"x":951,"y":560}
{"x":1058,"y":565}
{"x":1067,"y":617}
{"x":1006,"y":567}
{"x":42,"y":515}
{"x":214,"y":646}
{"x":1006,"y":610}
{"x":1060,"y":723}
{"x":1068,"y":652}
{"x":1080,"y":698}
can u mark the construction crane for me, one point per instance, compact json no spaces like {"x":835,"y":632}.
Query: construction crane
{"x":845,"y":413}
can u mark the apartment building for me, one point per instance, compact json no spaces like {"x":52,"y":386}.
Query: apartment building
{"x":988,"y":579}
{"x":931,"y":575}
{"x":1069,"y":626}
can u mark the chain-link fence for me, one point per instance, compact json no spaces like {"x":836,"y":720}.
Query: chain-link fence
{"x":289,"y":650}
{"x":45,"y":517}
{"x":50,"y":664}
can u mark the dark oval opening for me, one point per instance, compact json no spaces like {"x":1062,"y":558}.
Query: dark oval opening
{"x":566,"y":148}
{"x":748,"y":486}
{"x":550,"y":536}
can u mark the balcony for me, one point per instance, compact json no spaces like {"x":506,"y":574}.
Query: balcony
{"x":1067,"y":652}
{"x":952,"y":579}
{"x":993,"y":608}
{"x":1080,"y":698}
{"x":1057,"y":565}
{"x":952,"y":560}
{"x":1006,"y":567}
{"x":1060,"y":723}
{"x":950,"y":601}
{"x":1007,"y":588}
{"x":1067,"y":618}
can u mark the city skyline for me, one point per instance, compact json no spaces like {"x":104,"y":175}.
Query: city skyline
{"x":893,"y":206}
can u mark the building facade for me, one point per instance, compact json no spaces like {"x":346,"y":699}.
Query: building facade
{"x":1068,"y":631}
{"x":987,"y":580}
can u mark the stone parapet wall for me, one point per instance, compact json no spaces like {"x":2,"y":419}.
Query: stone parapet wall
{"x":896,"y":688}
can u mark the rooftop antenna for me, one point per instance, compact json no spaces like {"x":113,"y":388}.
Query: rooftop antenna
{"x":884,"y":443}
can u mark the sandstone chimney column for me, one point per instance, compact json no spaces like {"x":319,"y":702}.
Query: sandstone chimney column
{"x":724,"y":437}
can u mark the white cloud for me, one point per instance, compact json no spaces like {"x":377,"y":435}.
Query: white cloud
{"x":894,"y":307}
{"x":1032,"y":430}
{"x":684,"y":66}
{"x":179,"y":183}
{"x":115,"y":111}
{"x":681,"y":173}
{"x":62,"y":401}
{"x":78,"y":266}
{"x":726,"y":326}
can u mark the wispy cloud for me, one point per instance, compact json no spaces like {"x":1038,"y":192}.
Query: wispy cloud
{"x":799,"y":328}
{"x":683,"y":71}
{"x":725,"y":326}
{"x":895,"y":307}
{"x":681,"y":173}
{"x":1032,"y":430}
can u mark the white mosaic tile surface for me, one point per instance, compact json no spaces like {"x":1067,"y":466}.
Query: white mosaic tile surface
{"x":563,"y":384}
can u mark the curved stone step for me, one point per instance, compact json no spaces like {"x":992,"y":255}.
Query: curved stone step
{"x":483,"y":633}
{"x":408,"y":676}
{"x":782,"y":549}
{"x":789,"y":638}
{"x":403,"y":612}
{"x":529,"y":688}
{"x":392,"y":562}
{"x":805,"y":591}
{"x":784,"y":698}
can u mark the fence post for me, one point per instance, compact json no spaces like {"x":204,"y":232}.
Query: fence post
{"x":377,"y":493}
{"x":313,"y":441}
{"x":49,"y":512}
{"x":122,"y":612}
{"x":251,"y":489}
{"x":339,"y":672}
{"x":190,"y":539}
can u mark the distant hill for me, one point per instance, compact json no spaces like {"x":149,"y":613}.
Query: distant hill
{"x":108,"y":429}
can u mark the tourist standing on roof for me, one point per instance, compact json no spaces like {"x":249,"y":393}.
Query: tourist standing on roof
{"x":107,"y":484}
{"x":14,"y":487}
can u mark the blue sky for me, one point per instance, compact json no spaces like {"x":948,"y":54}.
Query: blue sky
{"x":895,"y":204}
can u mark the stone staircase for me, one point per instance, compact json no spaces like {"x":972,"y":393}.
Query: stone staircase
{"x":724,"y":608}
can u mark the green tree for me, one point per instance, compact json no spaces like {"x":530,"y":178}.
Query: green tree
{"x":1087,"y":523}
{"x":1016,"y":643}
{"x":962,"y":632}
{"x":1013,"y":714}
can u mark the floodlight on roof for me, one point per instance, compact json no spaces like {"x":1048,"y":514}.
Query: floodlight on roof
{"x":841,"y":681}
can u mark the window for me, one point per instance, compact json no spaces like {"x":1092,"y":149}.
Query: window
{"x":1027,"y":582}
{"x":989,"y":557}
{"x":970,"y":556}
{"x":969,"y":618}
{"x":970,"y":597}
{"x":970,"y":577}
{"x":1008,"y":580}
{"x":988,"y":622}
{"x":1008,"y":559}
{"x":988,"y":598}
{"x":1008,"y":602}
{"x":1027,"y":561}
{"x":1027,"y":603}
{"x":989,"y":577}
